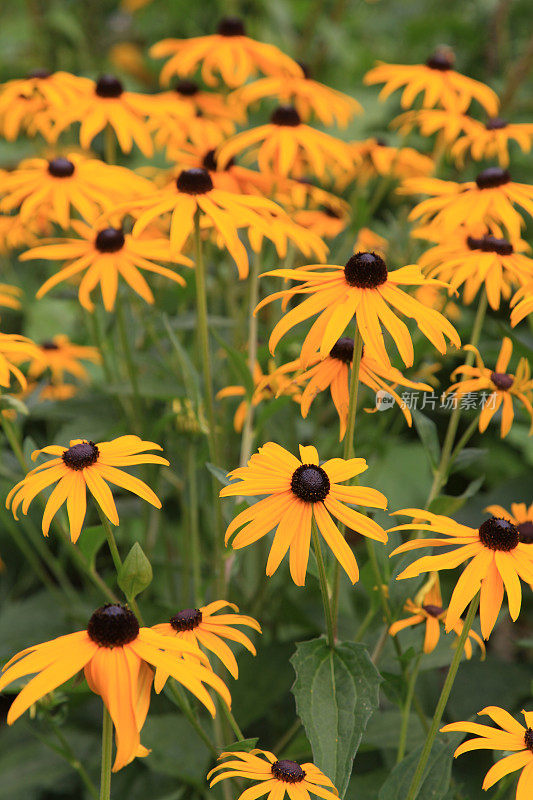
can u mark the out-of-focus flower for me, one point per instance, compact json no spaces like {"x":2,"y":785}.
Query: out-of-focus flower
{"x":492,"y":139}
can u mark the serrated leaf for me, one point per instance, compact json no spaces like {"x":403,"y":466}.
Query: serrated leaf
{"x":427,"y":433}
{"x":245,"y":745}
{"x":436,"y":781}
{"x":336,"y":691}
{"x":136,"y":572}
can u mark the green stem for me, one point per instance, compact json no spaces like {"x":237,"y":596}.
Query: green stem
{"x":117,"y":561}
{"x":174,"y":691}
{"x":406,"y":711}
{"x":107,"y":746}
{"x":463,"y":441}
{"x":441,"y":473}
{"x":194,"y":530}
{"x":110,"y":145}
{"x":289,"y":734}
{"x":130,"y":363}
{"x":247,"y":429}
{"x":330,"y":630}
{"x":443,"y":699}
{"x":239,"y":736}
{"x":69,"y":755}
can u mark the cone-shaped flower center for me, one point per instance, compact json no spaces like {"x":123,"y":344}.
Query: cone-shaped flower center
{"x":109,"y":240}
{"x":49,"y":346}
{"x":365,"y":270}
{"x":108,"y":86}
{"x":525,"y":530}
{"x":502,"y":380}
{"x":39,"y":73}
{"x":288,"y":771}
{"x":186,"y":620}
{"x":496,"y":124}
{"x":343,"y":350}
{"x":499,"y":534}
{"x":528,"y":739}
{"x":61,"y":167}
{"x":433,"y":611}
{"x":231,"y":26}
{"x":81,"y":455}
{"x":310,"y":483}
{"x":286,"y":116}
{"x":194,"y":181}
{"x":113,"y":625}
{"x":492,"y":177}
{"x":442,"y":60}
{"x":187,"y":88}
{"x":490,"y":244}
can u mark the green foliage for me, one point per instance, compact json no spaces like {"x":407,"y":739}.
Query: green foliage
{"x":136,"y":572}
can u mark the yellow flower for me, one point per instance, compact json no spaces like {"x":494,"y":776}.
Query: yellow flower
{"x":520,"y":515}
{"x":374,"y":157}
{"x":299,"y":492}
{"x":273,"y":777}
{"x":103,"y":254}
{"x":9,"y":296}
{"x":116,"y":656}
{"x":13,"y":349}
{"x":503,"y":386}
{"x":365,"y":287}
{"x":61,"y":357}
{"x":84,"y":465}
{"x":205,"y":628}
{"x":228,"y":52}
{"x":491,"y":140}
{"x":511,"y":737}
{"x":522,"y":304}
{"x":447,"y":123}
{"x":499,"y":559}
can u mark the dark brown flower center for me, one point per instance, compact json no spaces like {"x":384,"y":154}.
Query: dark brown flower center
{"x":113,"y":625}
{"x":342,"y":350}
{"x":492,"y":177}
{"x":380,"y":141}
{"x":502,"y":380}
{"x":39,"y":73}
{"x":528,"y":739}
{"x":186,"y":620}
{"x":61,"y":167}
{"x":109,"y":240}
{"x":433,"y":611}
{"x":490,"y":244}
{"x":305,"y":69}
{"x":365,"y":270}
{"x":108,"y":86}
{"x":286,"y":116}
{"x":496,"y":124}
{"x":442,"y":60}
{"x":310,"y":483}
{"x":525,"y":530}
{"x":81,"y":455}
{"x":194,"y":181}
{"x":210,"y":162}
{"x":499,"y":534}
{"x":49,"y":346}
{"x":231,"y":26}
{"x":187,"y":88}
{"x":287,"y":771}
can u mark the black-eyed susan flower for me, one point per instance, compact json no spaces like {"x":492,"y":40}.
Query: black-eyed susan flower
{"x":228,"y":53}
{"x":85,"y":465}
{"x":522,"y":304}
{"x":104,"y":254}
{"x":520,"y":515}
{"x":173,"y":131}
{"x":511,"y":737}
{"x":375,"y":157}
{"x":15,"y":234}
{"x":116,"y":656}
{"x":13,"y":349}
{"x":333,"y":373}
{"x":428,"y":610}
{"x":491,"y":140}
{"x":498,"y":385}
{"x":489,"y":199}
{"x":437,"y":80}
{"x":207,"y":629}
{"x":498,"y":560}
{"x":307,"y":95}
{"x":10,"y":296}
{"x":475,"y":261}
{"x":447,"y":123}
{"x":273,"y":777}
{"x":285,"y":146}
{"x":365,"y":287}
{"x":326,"y":222}
{"x":59,"y":357}
{"x":298,"y":493}
{"x":57,"y":186}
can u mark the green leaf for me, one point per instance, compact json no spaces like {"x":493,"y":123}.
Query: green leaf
{"x":177,"y":750}
{"x":220,"y":474}
{"x":446,"y":504}
{"x":245,"y":745}
{"x":136,"y":572}
{"x":467,"y":457}
{"x":336,"y":691}
{"x":239,"y":364}
{"x":436,"y":781}
{"x":90,"y":542}
{"x":16,"y":404}
{"x":427,"y":433}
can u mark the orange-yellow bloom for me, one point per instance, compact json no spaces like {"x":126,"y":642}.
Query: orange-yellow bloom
{"x":491,"y":140}
{"x":9,"y":296}
{"x":13,"y":349}
{"x":84,"y":465}
{"x":522,"y":304}
{"x":374,"y":157}
{"x":520,"y":515}
{"x":60,"y":357}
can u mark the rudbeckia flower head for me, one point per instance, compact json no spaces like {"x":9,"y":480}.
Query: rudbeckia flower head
{"x":274,"y":778}
{"x":300,"y":491}
{"x":59,"y":357}
{"x":374,"y":157}
{"x":498,"y":385}
{"x":228,"y":53}
{"x":363,"y":286}
{"x":116,"y":655}
{"x":9,"y":296}
{"x":520,"y":515}
{"x":85,"y":465}
{"x":491,"y":140}
{"x":522,"y":304}
{"x":497,"y":560}
{"x":510,"y":736}
{"x":14,"y":348}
